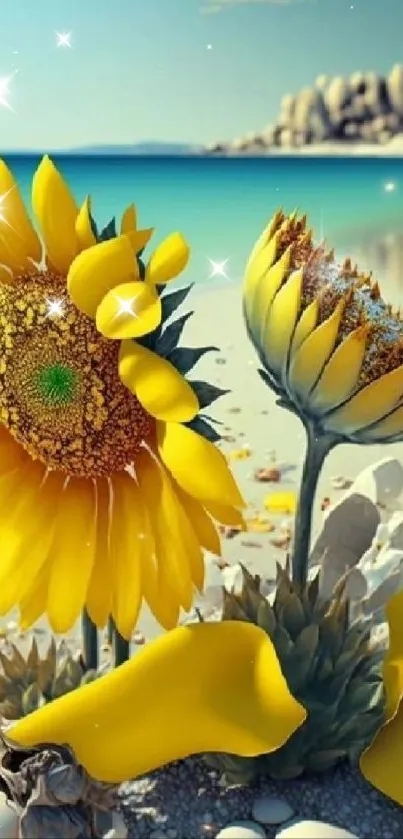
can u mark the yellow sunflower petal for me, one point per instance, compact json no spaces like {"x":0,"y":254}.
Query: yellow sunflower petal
{"x":217,"y":697}
{"x":129,"y":311}
{"x":99,"y":595}
{"x":126,"y":547}
{"x":201,"y":522}
{"x":225,"y":515}
{"x":305,"y":325}
{"x":161,"y":389}
{"x":12,"y":455}
{"x":382,"y":762}
{"x":160,"y":571}
{"x":307,"y":363}
{"x":168,"y":260}
{"x":27,"y":536}
{"x":56,"y":211}
{"x":197,"y":465}
{"x":187,"y":537}
{"x":18,"y":238}
{"x":99,"y":269}
{"x":33,"y":605}
{"x":162,"y":509}
{"x":265,"y":293}
{"x":388,"y":427}
{"x":280,"y":322}
{"x":72,"y":554}
{"x":369,"y":405}
{"x":128,"y":225}
{"x":260,"y":262}
{"x":341,"y":373}
{"x":84,"y":232}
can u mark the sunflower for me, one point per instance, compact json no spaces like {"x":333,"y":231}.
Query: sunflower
{"x":109,"y":475}
{"x":330,"y":348}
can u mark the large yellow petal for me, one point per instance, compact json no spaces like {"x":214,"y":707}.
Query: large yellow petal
{"x":127,"y":532}
{"x":279,"y":325}
{"x":84,"y":232}
{"x":99,"y":595}
{"x":160,"y":569}
{"x":389,"y":427}
{"x":161,"y":389}
{"x":166,"y":525}
{"x":229,"y":516}
{"x":306,"y":324}
{"x":12,"y":454}
{"x":369,"y":405}
{"x":262,"y":258}
{"x":382,"y":762}
{"x":203,"y":688}
{"x":99,"y":269}
{"x":307,"y":363}
{"x":27,"y":536}
{"x":56,"y":211}
{"x":18,"y":239}
{"x":201,"y":522}
{"x":186,"y":536}
{"x":33,"y":605}
{"x":168,"y":260}
{"x":129,"y":311}
{"x":72,"y":554}
{"x":138,"y":238}
{"x":197,"y":465}
{"x":341,"y":373}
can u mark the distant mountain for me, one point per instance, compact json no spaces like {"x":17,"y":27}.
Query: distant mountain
{"x":147,"y":148}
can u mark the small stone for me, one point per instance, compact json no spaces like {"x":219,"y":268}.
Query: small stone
{"x":314,"y":830}
{"x":268,"y":475}
{"x":158,"y":834}
{"x":242,"y":830}
{"x":139,"y":639}
{"x":270,"y":810}
{"x":171,"y":833}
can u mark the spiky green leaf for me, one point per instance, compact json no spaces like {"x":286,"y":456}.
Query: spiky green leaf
{"x":171,"y":302}
{"x":94,"y":227}
{"x":185,"y":358}
{"x":170,"y":336}
{"x":204,"y":429}
{"x":109,"y":231}
{"x":31,"y":699}
{"x":206,"y":392}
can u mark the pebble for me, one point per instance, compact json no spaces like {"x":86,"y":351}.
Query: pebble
{"x":242,"y":830}
{"x":314,"y":830}
{"x":270,"y":810}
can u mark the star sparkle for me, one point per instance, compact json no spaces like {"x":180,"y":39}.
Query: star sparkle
{"x":126,"y":306}
{"x":218,"y":269}
{"x":5,"y":82}
{"x":63,"y":39}
{"x":55,"y":308}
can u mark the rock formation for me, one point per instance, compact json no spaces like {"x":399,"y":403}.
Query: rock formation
{"x":363,"y":108}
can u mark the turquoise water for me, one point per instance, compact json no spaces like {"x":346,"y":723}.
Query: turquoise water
{"x":221,"y":205}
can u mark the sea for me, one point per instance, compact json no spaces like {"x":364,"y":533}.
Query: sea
{"x":221,"y":205}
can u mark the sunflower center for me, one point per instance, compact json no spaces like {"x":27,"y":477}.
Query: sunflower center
{"x":56,"y":384}
{"x":60,"y":392}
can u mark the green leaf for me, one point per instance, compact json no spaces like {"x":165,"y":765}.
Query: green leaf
{"x":31,"y":699}
{"x":94,"y":227}
{"x":109,"y":231}
{"x":170,"y":337}
{"x":185,"y":358}
{"x":171,"y":302}
{"x":206,"y":392}
{"x":204,"y":429}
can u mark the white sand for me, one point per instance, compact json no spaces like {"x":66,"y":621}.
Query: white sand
{"x":250,"y":415}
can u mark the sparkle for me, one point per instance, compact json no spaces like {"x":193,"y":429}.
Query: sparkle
{"x":3,"y":198}
{"x":55,"y":308}
{"x":5,"y":82}
{"x":218,"y":269}
{"x":63,"y":39}
{"x":390,"y":186}
{"x":126,"y":306}
{"x":209,"y":46}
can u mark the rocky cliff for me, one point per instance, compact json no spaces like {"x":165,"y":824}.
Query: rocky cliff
{"x":364,"y":108}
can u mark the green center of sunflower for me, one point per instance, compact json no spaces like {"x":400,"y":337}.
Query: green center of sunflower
{"x":60,"y":393}
{"x":56,"y":384}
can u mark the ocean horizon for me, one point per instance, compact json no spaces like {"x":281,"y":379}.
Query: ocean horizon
{"x":221,"y":205}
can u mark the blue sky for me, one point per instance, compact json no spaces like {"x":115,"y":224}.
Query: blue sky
{"x":143,"y":69}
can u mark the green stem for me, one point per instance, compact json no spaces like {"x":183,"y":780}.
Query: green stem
{"x":318,"y":447}
{"x":109,"y":632}
{"x":120,"y":647}
{"x":90,"y":642}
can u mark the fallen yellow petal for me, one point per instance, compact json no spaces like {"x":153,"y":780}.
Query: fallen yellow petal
{"x":258,"y":524}
{"x":240,"y":454}
{"x":99,"y":269}
{"x":197,"y":465}
{"x":281,"y":502}
{"x":203,"y":688}
{"x":168,"y":260}
{"x":56,"y":211}
{"x":129,"y":311}
{"x":158,"y":385}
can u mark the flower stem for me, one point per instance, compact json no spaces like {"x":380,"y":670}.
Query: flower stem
{"x":120,"y":647}
{"x":318,"y":447}
{"x":90,"y":642}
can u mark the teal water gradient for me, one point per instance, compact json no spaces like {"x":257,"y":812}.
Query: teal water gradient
{"x":221,"y":205}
